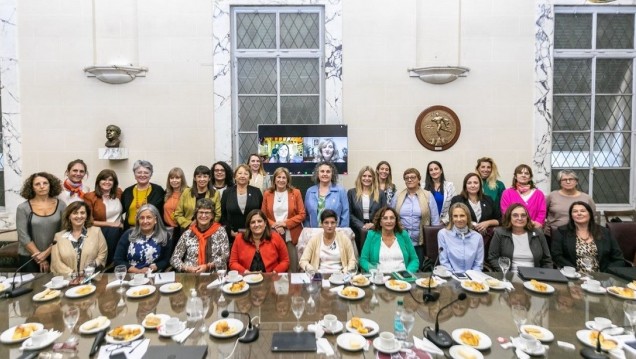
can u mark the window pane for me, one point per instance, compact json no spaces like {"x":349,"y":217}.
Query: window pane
{"x":611,"y":149}
{"x":573,"y":31}
{"x":247,"y":146}
{"x":299,"y":76}
{"x":572,"y":76}
{"x":257,"y":76}
{"x":255,"y":31}
{"x":614,"y":76}
{"x":570,"y":150}
{"x":611,"y":186}
{"x":572,"y":113}
{"x":299,"y":31}
{"x":255,"y":110}
{"x":615,"y":31}
{"x":583,"y":175}
{"x":299,"y":110}
{"x":613,"y":113}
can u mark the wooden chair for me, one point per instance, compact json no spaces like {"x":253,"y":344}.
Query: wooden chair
{"x":625,"y":235}
{"x":629,"y":215}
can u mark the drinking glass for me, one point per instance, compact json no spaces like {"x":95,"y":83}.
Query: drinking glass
{"x":298,"y":307}
{"x":629,"y":308}
{"x":71,"y":316}
{"x":206,"y":308}
{"x":312,"y":288}
{"x":504,"y":264}
{"x":408,"y":320}
{"x":519,"y":315}
{"x":120,"y":274}
{"x":587,"y":263}
{"x":89,"y":270}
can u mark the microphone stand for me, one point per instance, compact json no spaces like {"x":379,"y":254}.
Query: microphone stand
{"x":441,"y":338}
{"x":428,"y":296}
{"x":16,"y":292}
{"x":251,"y":332}
{"x":597,"y":352}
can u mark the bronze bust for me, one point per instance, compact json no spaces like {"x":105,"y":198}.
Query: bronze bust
{"x":112,"y":135}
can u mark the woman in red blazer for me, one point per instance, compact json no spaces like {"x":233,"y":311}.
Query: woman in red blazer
{"x":283,"y":206}
{"x":258,"y":249}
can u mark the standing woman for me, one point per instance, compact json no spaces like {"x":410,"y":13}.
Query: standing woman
{"x":79,"y":243}
{"x":223,"y":179}
{"x":38,"y":219}
{"x":484,"y":214}
{"x":175,"y":185}
{"x":74,"y":189}
{"x":385,"y":180}
{"x":364,"y":201}
{"x":204,"y":246}
{"x":463,"y":248}
{"x":201,"y":188}
{"x":141,"y":193}
{"x":326,"y":194}
{"x":105,"y":205}
{"x":239,"y":200}
{"x":441,"y":189}
{"x":559,"y":201}
{"x":260,"y":178}
{"x":283,"y":206}
{"x":525,"y":192}
{"x":489,"y":174}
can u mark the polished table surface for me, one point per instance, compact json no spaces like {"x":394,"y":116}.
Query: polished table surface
{"x":563,"y":312}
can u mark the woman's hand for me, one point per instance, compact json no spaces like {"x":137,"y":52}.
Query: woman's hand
{"x":199,"y":269}
{"x":368,"y":226}
{"x":481,"y":227}
{"x":44,"y":266}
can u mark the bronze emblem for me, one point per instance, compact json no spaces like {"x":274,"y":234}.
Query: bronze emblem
{"x":437,"y":128}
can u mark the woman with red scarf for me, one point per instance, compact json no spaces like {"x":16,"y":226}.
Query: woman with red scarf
{"x":525,"y":192}
{"x":73,"y":189}
{"x":204,"y":233}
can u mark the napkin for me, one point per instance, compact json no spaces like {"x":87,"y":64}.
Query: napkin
{"x":427,"y":346}
{"x":22,"y":278}
{"x":134,"y":350}
{"x":300,"y":278}
{"x":336,"y":289}
{"x":521,"y":355}
{"x":630,"y":353}
{"x":439,"y":280}
{"x":181,"y":337}
{"x":323,"y":347}
{"x":316,"y":328}
{"x":115,"y":283}
{"x":162,"y":278}
{"x":215,"y":283}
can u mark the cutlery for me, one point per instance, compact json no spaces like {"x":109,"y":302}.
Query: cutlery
{"x":135,"y":346}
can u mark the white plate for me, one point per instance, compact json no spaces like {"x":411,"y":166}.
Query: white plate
{"x":456,"y":352}
{"x":6,"y":336}
{"x":351,"y":341}
{"x":465,"y":285}
{"x":162,"y":317}
{"x":521,"y":345}
{"x":484,"y":340}
{"x":226,"y":288}
{"x":162,"y":331}
{"x":51,"y":337}
{"x":83,"y":330}
{"x":439,"y":274}
{"x":170,"y":287}
{"x":236,"y":326}
{"x":584,"y":336}
{"x":421,"y":283}
{"x":500,"y":284}
{"x":544,"y":337}
{"x":587,"y":288}
{"x":611,"y":290}
{"x":379,"y":347}
{"x":530,"y":287}
{"x":631,"y":285}
{"x":614,"y":331}
{"x":73,"y":292}
{"x":253,"y":278}
{"x":237,"y":279}
{"x":575,"y":276}
{"x":131,"y":292}
{"x":339,"y":327}
{"x":112,"y":340}
{"x":52,"y":295}
{"x":375,"y":328}
{"x":142,"y":282}
{"x":64,"y":284}
{"x":359,"y":296}
{"x":398,"y":282}
{"x":4,"y":285}
{"x":366,"y":282}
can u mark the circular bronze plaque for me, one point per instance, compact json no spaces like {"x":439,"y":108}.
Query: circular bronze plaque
{"x":437,"y":128}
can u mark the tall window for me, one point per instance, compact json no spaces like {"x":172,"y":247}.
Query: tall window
{"x":278,"y":76}
{"x":593,"y":121}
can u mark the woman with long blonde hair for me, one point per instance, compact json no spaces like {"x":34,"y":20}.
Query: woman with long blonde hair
{"x":364,"y":201}
{"x":491,"y":185}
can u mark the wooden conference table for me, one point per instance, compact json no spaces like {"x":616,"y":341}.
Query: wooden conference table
{"x":563,"y":312}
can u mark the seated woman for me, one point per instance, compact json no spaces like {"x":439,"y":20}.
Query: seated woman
{"x":520,"y":241}
{"x":258,"y":249}
{"x":525,"y":192}
{"x":147,"y":245}
{"x":201,"y":188}
{"x":364,"y":201}
{"x":388,"y":247}
{"x":461,"y":248}
{"x":206,"y":234}
{"x":583,"y":238}
{"x":484,"y":213}
{"x":79,"y":243}
{"x":73,"y":189}
{"x":559,"y":201}
{"x":326,"y":194}
{"x":330,"y":252}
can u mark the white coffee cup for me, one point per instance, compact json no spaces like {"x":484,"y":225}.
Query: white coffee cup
{"x":39,"y":337}
{"x":593,"y":284}
{"x":601,"y":323}
{"x":57,"y":281}
{"x":441,"y":270}
{"x":138,"y":278}
{"x":172,"y":325}
{"x":531,"y":343}
{"x":569,"y":271}
{"x":232,"y":275}
{"x":330,"y":322}
{"x":387,"y":339}
{"x":379,"y":278}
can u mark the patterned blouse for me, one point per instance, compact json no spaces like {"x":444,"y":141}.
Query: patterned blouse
{"x":143,"y":252}
{"x":584,"y":250}
{"x":186,"y":253}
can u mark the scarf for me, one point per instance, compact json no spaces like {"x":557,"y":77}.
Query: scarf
{"x":523,"y":188}
{"x":74,"y":188}
{"x":463,"y":231}
{"x":203,"y":238}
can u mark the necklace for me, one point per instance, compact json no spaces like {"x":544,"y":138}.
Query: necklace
{"x":138,"y":194}
{"x":279,"y":196}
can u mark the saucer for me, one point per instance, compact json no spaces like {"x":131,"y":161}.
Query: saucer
{"x":576,"y":275}
{"x":64,"y":284}
{"x":600,"y":290}
{"x":377,"y":344}
{"x":519,"y":344}
{"x":238,"y":278}
{"x":162,"y":320}
{"x":162,"y":331}
{"x":351,"y":341}
{"x":142,"y":282}
{"x":332,"y":280}
{"x":540,"y":333}
{"x":51,"y":337}
{"x":338,"y":329}
{"x":615,"y":330}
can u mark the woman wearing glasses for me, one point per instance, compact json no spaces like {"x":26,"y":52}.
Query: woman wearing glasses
{"x":559,"y":201}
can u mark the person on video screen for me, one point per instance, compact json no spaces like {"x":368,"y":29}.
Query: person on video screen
{"x":328,"y":151}
{"x":281,"y":154}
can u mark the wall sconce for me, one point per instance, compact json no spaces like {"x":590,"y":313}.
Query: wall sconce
{"x":439,"y":75}
{"x":115,"y":74}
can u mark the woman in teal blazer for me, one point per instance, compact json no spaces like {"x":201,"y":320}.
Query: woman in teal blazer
{"x":389,"y":242}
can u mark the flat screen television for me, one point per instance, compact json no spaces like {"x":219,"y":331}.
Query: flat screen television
{"x":300,"y":147}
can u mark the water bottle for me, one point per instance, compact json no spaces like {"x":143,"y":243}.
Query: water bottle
{"x":398,"y":328}
{"x":194,"y":308}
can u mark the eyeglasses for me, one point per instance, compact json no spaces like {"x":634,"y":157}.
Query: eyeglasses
{"x":219,"y":170}
{"x":410,"y":178}
{"x":206,"y":214}
{"x":568,"y":179}
{"x":519,"y":215}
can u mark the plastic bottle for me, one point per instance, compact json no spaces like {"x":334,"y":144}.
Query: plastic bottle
{"x":398,"y":329}
{"x":194,"y":308}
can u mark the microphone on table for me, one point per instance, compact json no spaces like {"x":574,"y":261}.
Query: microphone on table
{"x":99,"y":338}
{"x":428,"y":296}
{"x":441,"y":338}
{"x":597,"y":352}
{"x":251,"y":332}
{"x":16,"y":292}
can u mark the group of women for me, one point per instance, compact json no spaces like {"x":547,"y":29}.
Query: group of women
{"x":247,"y":221}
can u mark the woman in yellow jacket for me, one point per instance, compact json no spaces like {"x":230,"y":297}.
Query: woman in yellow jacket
{"x":201,"y":188}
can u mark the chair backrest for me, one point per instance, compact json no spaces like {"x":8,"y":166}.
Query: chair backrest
{"x":430,"y":241}
{"x":629,"y":215}
{"x":625,"y":235}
